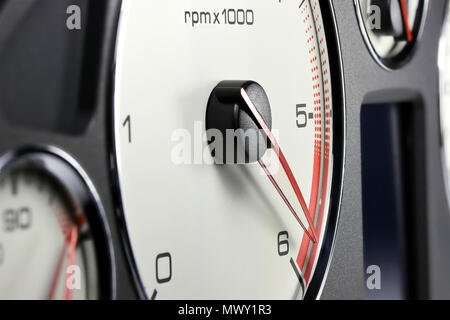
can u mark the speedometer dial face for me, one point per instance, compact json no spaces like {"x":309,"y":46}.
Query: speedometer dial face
{"x":52,"y":245}
{"x":199,"y":228}
{"x":42,"y":243}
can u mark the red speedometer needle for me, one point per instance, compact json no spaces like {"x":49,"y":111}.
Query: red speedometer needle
{"x":57,"y":273}
{"x":71,"y":241}
{"x":406,"y":20}
{"x":72,"y":250}
{"x":293,"y":182}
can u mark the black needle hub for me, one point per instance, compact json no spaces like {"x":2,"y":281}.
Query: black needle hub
{"x":227,"y":113}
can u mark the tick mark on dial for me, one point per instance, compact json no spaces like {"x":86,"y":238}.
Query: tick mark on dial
{"x":14,"y":184}
{"x":297,"y":273}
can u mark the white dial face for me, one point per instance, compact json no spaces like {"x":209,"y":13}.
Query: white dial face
{"x":42,"y":254}
{"x":208,"y":231}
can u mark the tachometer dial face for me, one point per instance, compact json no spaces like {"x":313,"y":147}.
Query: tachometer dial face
{"x":47,"y":248}
{"x":198,"y":226}
{"x":391,"y":28}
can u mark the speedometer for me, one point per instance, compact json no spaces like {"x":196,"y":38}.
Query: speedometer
{"x":53,"y":240}
{"x":192,"y":80}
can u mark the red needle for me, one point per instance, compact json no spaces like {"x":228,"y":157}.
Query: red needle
{"x":406,"y":20}
{"x":71,"y":241}
{"x":70,"y":238}
{"x":72,"y":250}
{"x":311,"y":232}
{"x":57,"y":273}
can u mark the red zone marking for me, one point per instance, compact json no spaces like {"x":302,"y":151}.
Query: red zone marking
{"x":315,"y":61}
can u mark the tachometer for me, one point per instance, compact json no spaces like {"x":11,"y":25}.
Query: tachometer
{"x":193,"y":79}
